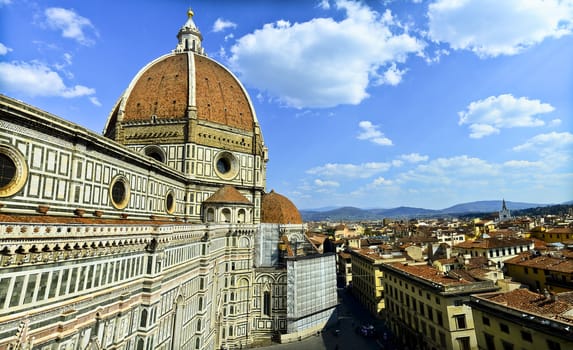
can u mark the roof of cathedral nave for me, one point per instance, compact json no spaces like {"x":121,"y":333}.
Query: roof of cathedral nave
{"x":278,"y":209}
{"x":186,"y":79}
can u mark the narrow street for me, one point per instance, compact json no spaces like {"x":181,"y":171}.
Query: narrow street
{"x":341,"y":334}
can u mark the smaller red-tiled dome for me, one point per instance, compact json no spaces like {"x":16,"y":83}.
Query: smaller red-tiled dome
{"x":228,"y":194}
{"x":278,"y":209}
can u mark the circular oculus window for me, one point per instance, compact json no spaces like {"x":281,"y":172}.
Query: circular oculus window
{"x":170,"y":202}
{"x":226,"y":165}
{"x":119,"y":192}
{"x":13,"y":171}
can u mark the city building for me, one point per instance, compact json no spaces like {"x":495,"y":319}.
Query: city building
{"x":158,"y":234}
{"x":553,"y":234}
{"x":368,"y":276}
{"x":345,"y":268}
{"x":426,"y":308}
{"x":522,"y":319}
{"x":550,"y":271}
{"x":497,"y":249}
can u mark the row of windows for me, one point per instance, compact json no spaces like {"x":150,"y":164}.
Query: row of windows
{"x":418,"y":306}
{"x":178,"y":255}
{"x":497,"y":252}
{"x":27,"y":289}
{"x":14,"y":176}
{"x":525,"y":334}
{"x":490,"y":342}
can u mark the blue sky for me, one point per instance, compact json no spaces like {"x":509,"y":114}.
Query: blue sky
{"x":373,"y":104}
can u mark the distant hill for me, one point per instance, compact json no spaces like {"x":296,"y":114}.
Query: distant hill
{"x":487,"y":206}
{"x":357,"y":214}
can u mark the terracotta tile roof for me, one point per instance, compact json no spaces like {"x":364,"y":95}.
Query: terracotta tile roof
{"x":429,"y":273}
{"x":525,"y":300}
{"x":278,"y":209}
{"x":493,"y":242}
{"x":162,"y":89}
{"x":220,"y":97}
{"x":560,"y":230}
{"x":477,"y":262}
{"x":228,"y":194}
{"x":543,"y":262}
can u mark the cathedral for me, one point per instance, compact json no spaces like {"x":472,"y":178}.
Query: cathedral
{"x":158,"y":233}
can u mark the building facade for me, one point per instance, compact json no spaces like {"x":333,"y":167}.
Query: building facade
{"x":427,"y":309}
{"x":158,"y":234}
{"x":521,"y":319}
{"x":368,"y":277}
{"x":495,"y":249}
{"x":540,"y":272}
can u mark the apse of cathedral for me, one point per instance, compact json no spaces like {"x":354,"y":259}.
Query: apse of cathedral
{"x":158,"y":233}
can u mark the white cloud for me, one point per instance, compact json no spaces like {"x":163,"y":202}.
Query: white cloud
{"x":522,"y":164}
{"x":488,"y":116}
{"x":68,"y":58}
{"x":5,"y":2}
{"x":323,"y":183}
{"x":380,"y":181}
{"x":324,"y":4}
{"x":36,"y":79}
{"x":221,"y":25}
{"x":392,"y":76}
{"x":449,"y":171}
{"x":364,"y":170}
{"x":491,"y":28}
{"x":94,"y":100}
{"x":414,"y":157}
{"x":323,"y":63}
{"x":547,"y":143}
{"x":371,"y":133}
{"x":481,"y":130}
{"x":72,"y":25}
{"x":4,"y":49}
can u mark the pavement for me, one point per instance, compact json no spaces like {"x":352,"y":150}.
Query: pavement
{"x":340,"y":334}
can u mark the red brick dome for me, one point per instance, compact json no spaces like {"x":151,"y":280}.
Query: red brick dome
{"x":278,"y":209}
{"x":174,"y":84}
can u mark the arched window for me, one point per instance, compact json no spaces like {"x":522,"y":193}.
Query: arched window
{"x":226,"y":215}
{"x":241,"y":216}
{"x":267,"y":303}
{"x":143,"y":320}
{"x":210,"y":215}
